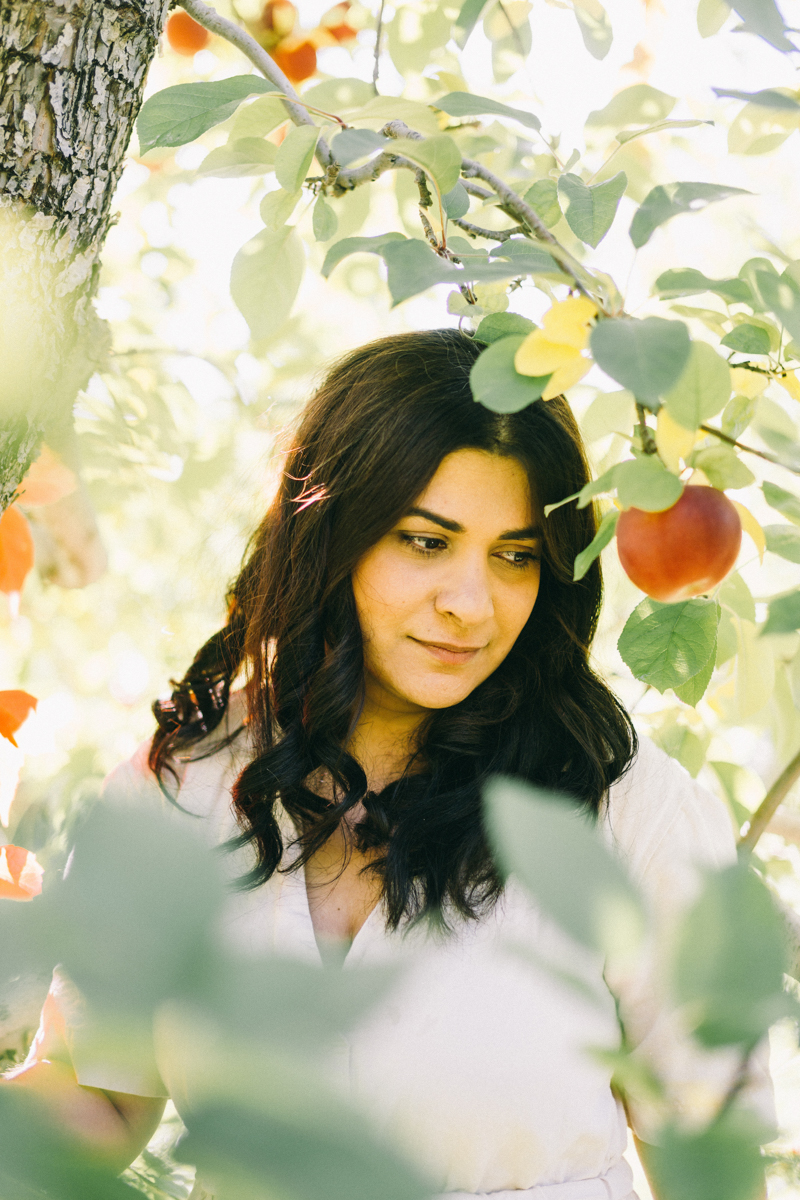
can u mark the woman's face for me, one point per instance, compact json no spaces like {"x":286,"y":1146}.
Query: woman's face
{"x":442,"y":598}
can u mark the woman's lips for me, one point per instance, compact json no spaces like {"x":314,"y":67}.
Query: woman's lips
{"x":448,"y":652}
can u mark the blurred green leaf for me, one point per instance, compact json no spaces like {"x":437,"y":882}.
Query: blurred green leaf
{"x":526,"y":257}
{"x":723,"y":467}
{"x":179,"y":114}
{"x":735,"y":593}
{"x":720,"y":1162}
{"x":639,"y":104}
{"x":759,"y":129}
{"x":258,"y":118}
{"x":702,"y":389}
{"x":590,"y":211}
{"x":500,"y":325}
{"x":783,"y":540}
{"x":277,"y":207}
{"x":766,"y":98}
{"x":357,"y":245}
{"x":680,"y":742}
{"x":326,"y":1153}
{"x":265,"y":278}
{"x":468,"y":17}
{"x":464,"y":104}
{"x":781,"y":294}
{"x":667,"y":644}
{"x":782,"y":501}
{"x":647,"y":484}
{"x":711,"y":16}
{"x":646,"y":357}
{"x":729,"y":959}
{"x":763,"y":18}
{"x":747,"y":339}
{"x":595,"y":27}
{"x":293,"y":159}
{"x":456,"y":202}
{"x":543,"y":199}
{"x":247,"y":156}
{"x":324,"y":221}
{"x":352,"y":144}
{"x":439,"y":156}
{"x":605,"y":533}
{"x":686,"y":281}
{"x":784,"y":614}
{"x":629,"y":135}
{"x":671,"y":200}
{"x":551,"y":846}
{"x":339,"y":94}
{"x":750,"y":272}
{"x":497,"y":385}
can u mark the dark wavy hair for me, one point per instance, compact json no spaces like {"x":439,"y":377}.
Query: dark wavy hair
{"x":368,"y":443}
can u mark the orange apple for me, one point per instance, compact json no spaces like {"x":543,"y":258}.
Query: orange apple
{"x":681,"y":551}
{"x":296,"y":57}
{"x":185,"y":35}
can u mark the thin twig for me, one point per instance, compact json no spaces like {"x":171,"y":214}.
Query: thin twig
{"x":233,"y":33}
{"x":648,"y":441}
{"x":771,"y":803}
{"x":497,"y":235}
{"x":770,"y":458}
{"x":425,"y":197}
{"x":378,"y":32}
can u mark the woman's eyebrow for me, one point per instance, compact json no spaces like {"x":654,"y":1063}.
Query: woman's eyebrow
{"x":530,"y":533}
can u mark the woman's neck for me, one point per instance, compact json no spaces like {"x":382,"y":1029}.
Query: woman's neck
{"x":383,"y":742}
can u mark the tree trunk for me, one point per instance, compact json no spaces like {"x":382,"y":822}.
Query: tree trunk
{"x":72,"y":73}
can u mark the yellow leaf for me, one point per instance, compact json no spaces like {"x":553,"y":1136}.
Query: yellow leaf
{"x":673,"y":441}
{"x":699,"y":478}
{"x":566,"y":376}
{"x":755,"y":670}
{"x":568,"y":321}
{"x":751,"y":527}
{"x":790,"y":383}
{"x":748,"y":383}
{"x":537,"y":355}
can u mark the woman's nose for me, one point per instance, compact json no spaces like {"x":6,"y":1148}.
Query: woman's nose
{"x":466,"y":595}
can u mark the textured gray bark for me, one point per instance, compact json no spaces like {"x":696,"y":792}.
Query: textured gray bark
{"x":72,"y":73}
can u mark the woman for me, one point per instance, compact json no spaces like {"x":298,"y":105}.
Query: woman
{"x":408,"y":627}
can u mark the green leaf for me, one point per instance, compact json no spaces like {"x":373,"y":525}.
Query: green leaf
{"x":456,"y":202}
{"x":595,"y":27}
{"x":715,"y":1163}
{"x":781,"y":295}
{"x":277,"y":207}
{"x":464,"y":104}
{"x":750,"y":272}
{"x":737,"y":596}
{"x":686,"y":281}
{"x":605,"y":532}
{"x":247,"y":156}
{"x":628,"y":135}
{"x":762,"y":18}
{"x":784,"y":541}
{"x":694,"y":689}
{"x":294,"y":156}
{"x":497,"y":385}
{"x":647,"y":484}
{"x":646,"y":357}
{"x":468,"y":17}
{"x":352,"y":144}
{"x":723,"y":467}
{"x":180,"y":114}
{"x":609,"y":412}
{"x":258,"y":118}
{"x":760,"y":130}
{"x":548,"y":843}
{"x":702,"y":390}
{"x":747,"y":339}
{"x":784,"y":614}
{"x":439,"y":156}
{"x":782,"y":501}
{"x":680,"y":743}
{"x":357,"y":245}
{"x":639,"y":104}
{"x":711,"y":16}
{"x":666,"y":644}
{"x":670,"y":200}
{"x":382,"y":109}
{"x":591,"y":210}
{"x":766,"y":98}
{"x":729,"y":959}
{"x":336,"y":95}
{"x":324,"y":221}
{"x":543,"y":199}
{"x":412,"y":267}
{"x":500,"y":325}
{"x":265,"y":278}
{"x":526,"y":257}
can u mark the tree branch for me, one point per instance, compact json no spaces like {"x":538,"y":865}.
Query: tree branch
{"x":771,"y":803}
{"x":241,"y":39}
{"x":378,"y":32}
{"x":770,"y":458}
{"x":496,"y":235}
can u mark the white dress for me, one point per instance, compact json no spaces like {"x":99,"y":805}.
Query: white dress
{"x":478,"y":1063}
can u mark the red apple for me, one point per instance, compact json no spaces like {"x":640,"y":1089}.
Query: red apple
{"x":681,"y":551}
{"x":185,"y":35}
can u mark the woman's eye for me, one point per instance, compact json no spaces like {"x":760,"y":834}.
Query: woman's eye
{"x":423,"y":543}
{"x":520,"y":558}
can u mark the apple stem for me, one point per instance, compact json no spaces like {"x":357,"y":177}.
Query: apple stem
{"x":646,"y":433}
{"x":771,"y":803}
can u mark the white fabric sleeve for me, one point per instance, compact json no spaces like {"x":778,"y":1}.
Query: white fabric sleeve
{"x":670,"y":830}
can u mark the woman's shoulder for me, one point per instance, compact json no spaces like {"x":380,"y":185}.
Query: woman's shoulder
{"x":661,"y":819}
{"x":200,"y":779}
